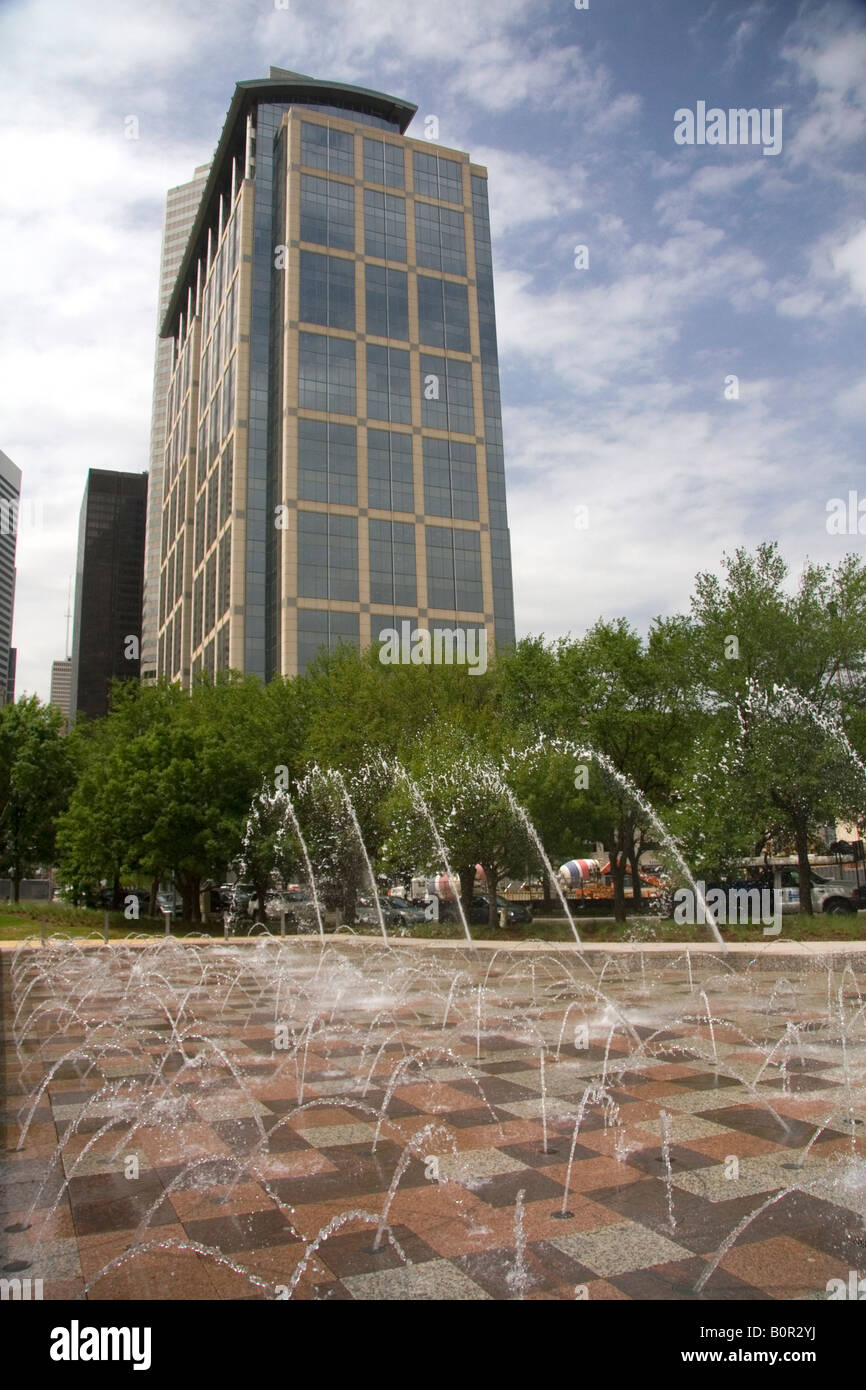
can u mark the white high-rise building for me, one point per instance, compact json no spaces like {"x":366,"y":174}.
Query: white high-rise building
{"x":10,"y":498}
{"x":181,"y":206}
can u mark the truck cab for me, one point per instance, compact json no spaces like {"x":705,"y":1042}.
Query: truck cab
{"x":828,"y":894}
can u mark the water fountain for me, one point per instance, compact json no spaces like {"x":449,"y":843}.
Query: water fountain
{"x":326,"y":1116}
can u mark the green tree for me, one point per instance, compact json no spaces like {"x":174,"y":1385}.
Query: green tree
{"x":36,"y":777}
{"x":635,"y":703}
{"x":782,"y":671}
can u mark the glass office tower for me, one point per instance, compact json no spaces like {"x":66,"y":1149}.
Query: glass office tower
{"x":181,"y":206}
{"x":333,"y":457}
{"x":108,"y":589}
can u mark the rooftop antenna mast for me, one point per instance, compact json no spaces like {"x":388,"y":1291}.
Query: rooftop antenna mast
{"x":68,"y":612}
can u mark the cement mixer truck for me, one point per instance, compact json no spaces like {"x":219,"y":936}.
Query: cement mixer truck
{"x":588,"y":881}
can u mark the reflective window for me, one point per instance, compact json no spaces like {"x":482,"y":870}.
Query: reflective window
{"x":327,"y":212}
{"x":318,"y":630}
{"x":440,"y":238}
{"x":327,"y":556}
{"x":226,"y":469}
{"x":392,"y":562}
{"x":454,"y":569}
{"x":326,"y":374}
{"x":212,"y":506}
{"x":443,"y":314}
{"x":447,"y":401}
{"x":450,"y":479}
{"x":389,"y":395}
{"x":438,"y":177}
{"x":197,"y":608}
{"x":390,"y":481}
{"x":327,"y":290}
{"x":384,"y":225}
{"x":387,"y":302}
{"x":323,"y":148}
{"x":225,"y":573}
{"x":199,"y":528}
{"x":327,"y":462}
{"x":383,"y":163}
{"x":222,"y":649}
{"x":210,"y":593}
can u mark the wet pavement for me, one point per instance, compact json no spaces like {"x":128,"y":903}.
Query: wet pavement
{"x":275,"y":1120}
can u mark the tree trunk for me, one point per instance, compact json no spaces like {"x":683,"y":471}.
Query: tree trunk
{"x":190,"y":885}
{"x":350,"y":903}
{"x":634,"y":865}
{"x":261,"y":890}
{"x":153,"y":909}
{"x":16,"y":883}
{"x":492,"y":884}
{"x":617,"y":870}
{"x":466,"y":874}
{"x":805,"y":877}
{"x":117,"y":893}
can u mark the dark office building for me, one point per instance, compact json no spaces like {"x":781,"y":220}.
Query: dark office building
{"x":108,"y":588}
{"x":10,"y":496}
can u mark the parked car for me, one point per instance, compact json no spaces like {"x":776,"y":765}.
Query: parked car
{"x":368,"y":915}
{"x":407,"y":913}
{"x":169,"y":900}
{"x":517,"y":914}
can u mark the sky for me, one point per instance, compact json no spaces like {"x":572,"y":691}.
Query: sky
{"x":691,"y":382}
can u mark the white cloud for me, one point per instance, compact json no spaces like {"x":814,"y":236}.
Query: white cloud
{"x":850,"y":259}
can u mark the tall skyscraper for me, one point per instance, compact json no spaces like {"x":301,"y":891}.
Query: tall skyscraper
{"x":106,"y":633}
{"x":181,"y":206}
{"x":333,"y":440}
{"x":10,"y":501}
{"x":61,"y":686}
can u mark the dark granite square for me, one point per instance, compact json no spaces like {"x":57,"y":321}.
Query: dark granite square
{"x":760,"y":1123}
{"x":502,"y":1189}
{"x":252,"y":1230}
{"x":353,"y":1253}
{"x":651,"y":1160}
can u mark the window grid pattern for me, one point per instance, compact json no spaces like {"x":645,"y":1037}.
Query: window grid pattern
{"x":443,"y":314}
{"x":387,"y":302}
{"x":454,"y":570}
{"x":384,"y":226}
{"x":327,"y":556}
{"x":324,"y":148}
{"x":389,"y":385}
{"x":450,"y":479}
{"x":438,"y":177}
{"x":392,"y":562}
{"x":383,"y":163}
{"x":440,"y":238}
{"x":448,"y":402}
{"x":327,"y":290}
{"x":320,"y":629}
{"x":327,"y":462}
{"x":326,"y":374}
{"x":390,"y":477}
{"x":327,"y":212}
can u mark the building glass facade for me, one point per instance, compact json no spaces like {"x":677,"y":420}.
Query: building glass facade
{"x":106,"y":634}
{"x":333,"y":436}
